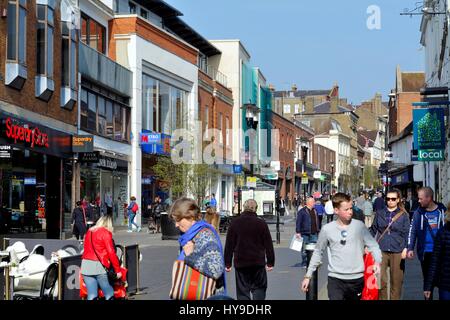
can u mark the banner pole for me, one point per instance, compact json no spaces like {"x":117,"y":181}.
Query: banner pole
{"x":7,"y":284}
{"x":59,"y":279}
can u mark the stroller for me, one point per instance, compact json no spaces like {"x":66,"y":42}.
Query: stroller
{"x":151,"y":225}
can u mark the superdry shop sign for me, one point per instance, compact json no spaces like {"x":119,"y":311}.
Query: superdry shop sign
{"x":82,"y":143}
{"x":27,"y":135}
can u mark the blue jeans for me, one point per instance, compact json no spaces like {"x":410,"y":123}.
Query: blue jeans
{"x":444,"y":295}
{"x":92,"y":284}
{"x":307,"y":239}
{"x":131,"y":222}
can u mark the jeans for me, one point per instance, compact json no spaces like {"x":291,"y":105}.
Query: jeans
{"x":307,"y":239}
{"x":92,"y":284}
{"x":131,"y":221}
{"x":444,"y":295}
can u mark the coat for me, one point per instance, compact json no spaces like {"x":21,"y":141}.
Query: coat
{"x":397,"y":239}
{"x":102,"y":241}
{"x":303,"y":224}
{"x":439,"y":271}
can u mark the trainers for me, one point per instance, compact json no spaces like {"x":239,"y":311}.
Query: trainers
{"x":139,"y":229}
{"x":129,"y":230}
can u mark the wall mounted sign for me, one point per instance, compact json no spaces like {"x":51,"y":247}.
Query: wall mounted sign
{"x":429,"y":129}
{"x":83,"y":143}
{"x":33,"y":136}
{"x":5,"y":152}
{"x":89,"y":157}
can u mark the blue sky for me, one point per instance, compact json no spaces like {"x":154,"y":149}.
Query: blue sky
{"x":316,"y":43}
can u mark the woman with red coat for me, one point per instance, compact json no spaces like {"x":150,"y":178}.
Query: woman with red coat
{"x":99,"y":255}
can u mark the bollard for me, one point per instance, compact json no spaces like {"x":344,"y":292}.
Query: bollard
{"x":278,"y":228}
{"x":312,"y":293}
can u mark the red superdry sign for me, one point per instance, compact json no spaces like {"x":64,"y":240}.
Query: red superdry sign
{"x":33,"y":136}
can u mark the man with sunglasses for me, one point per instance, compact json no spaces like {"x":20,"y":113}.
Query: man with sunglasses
{"x":426,"y":221}
{"x":345,"y":240}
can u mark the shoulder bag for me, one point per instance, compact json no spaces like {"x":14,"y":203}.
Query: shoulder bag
{"x":112,"y":276}
{"x":395,"y":218}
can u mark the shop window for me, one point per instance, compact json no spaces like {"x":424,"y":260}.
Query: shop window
{"x":93,"y":34}
{"x":69,"y":53}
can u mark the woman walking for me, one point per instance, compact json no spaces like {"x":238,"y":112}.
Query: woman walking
{"x":391,"y":228}
{"x":439,"y":271}
{"x":132,"y":212}
{"x":213,"y":218}
{"x":200,"y":245}
{"x":99,"y":255}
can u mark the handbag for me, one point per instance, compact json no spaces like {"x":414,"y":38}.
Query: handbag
{"x":112,"y":276}
{"x":190,"y":284}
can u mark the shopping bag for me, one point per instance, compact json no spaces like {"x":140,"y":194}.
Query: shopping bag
{"x":370,"y":291}
{"x":120,"y":286}
{"x":296,"y":244}
{"x":189,"y":284}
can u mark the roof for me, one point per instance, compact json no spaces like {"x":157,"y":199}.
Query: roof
{"x":171,"y":20}
{"x":412,"y":81}
{"x":301,"y":93}
{"x":367,"y":138}
{"x":406,"y":132}
{"x":325,"y":107}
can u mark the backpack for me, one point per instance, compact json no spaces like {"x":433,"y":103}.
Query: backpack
{"x":135,"y":208}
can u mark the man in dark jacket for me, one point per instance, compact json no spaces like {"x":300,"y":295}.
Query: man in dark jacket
{"x":79,"y":221}
{"x":427,"y":219}
{"x":379,"y":202}
{"x":307,"y":226}
{"x":250,"y":242}
{"x":157,"y":208}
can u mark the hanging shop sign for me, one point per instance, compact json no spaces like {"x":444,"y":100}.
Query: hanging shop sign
{"x":149,"y":138}
{"x":5,"y":152}
{"x":429,"y":129}
{"x":89,"y":157}
{"x":237,"y":168}
{"x":431,"y":155}
{"x":155,"y":143}
{"x":83,"y":143}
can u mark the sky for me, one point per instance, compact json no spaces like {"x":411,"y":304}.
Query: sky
{"x":315,"y":44}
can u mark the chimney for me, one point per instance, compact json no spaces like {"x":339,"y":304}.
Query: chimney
{"x":271,"y":87}
{"x":309,"y":105}
{"x":334,"y":101}
{"x":294,"y":87}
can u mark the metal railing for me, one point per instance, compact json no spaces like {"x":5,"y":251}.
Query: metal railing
{"x":214,"y":74}
{"x":99,"y":68}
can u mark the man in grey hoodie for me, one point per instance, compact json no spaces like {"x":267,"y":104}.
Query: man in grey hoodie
{"x":345,"y":240}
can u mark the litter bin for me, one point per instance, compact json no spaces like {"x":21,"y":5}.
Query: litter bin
{"x":168,"y":229}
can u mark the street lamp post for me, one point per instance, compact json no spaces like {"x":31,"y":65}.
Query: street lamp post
{"x":332,"y":176}
{"x":251,"y":117}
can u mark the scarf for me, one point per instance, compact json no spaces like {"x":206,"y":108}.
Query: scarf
{"x":191,"y":233}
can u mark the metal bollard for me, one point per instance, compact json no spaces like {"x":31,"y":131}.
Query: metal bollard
{"x":312,"y":293}
{"x":278,"y":228}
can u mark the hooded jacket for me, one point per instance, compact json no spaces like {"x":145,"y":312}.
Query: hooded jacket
{"x":419,"y":227}
{"x":439,"y":272}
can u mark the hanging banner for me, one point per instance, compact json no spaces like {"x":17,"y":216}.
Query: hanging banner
{"x":429,"y":129}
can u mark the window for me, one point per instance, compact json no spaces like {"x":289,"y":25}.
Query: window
{"x":287,"y":108}
{"x":69,"y":52}
{"x":206,"y":121}
{"x":104,"y":117}
{"x":17,"y":27}
{"x":228,"y":131}
{"x":44,"y":50}
{"x":144,"y":13}
{"x":219,"y":127}
{"x":93,"y":34}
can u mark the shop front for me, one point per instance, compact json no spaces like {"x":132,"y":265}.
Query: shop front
{"x":104,"y":182}
{"x":35,"y":177}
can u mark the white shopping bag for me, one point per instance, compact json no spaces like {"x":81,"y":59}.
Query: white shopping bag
{"x":296,"y":244}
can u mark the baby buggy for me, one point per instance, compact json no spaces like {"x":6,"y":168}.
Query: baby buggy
{"x":151,"y":225}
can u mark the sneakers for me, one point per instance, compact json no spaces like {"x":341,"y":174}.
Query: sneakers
{"x":129,"y":230}
{"x":139,"y":229}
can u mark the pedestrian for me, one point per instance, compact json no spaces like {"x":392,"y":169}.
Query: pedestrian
{"x":157,"y":209}
{"x":378,"y":204}
{"x":213,"y":218}
{"x":200,"y":245}
{"x":391,"y":227}
{"x":296,"y":201}
{"x":358,"y":214}
{"x":439,"y":270}
{"x":250,"y":243}
{"x":368,"y":212}
{"x":133,"y":209}
{"x":282,"y":206}
{"x":411,"y":204}
{"x":427,"y":219}
{"x":320,"y":209}
{"x":79,"y":221}
{"x":345,"y":240}
{"x":329,"y":210}
{"x":360,"y":200}
{"x":213,"y":201}
{"x":99,"y":255}
{"x":307,"y":227}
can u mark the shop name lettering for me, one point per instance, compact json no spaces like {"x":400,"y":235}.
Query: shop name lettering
{"x":19,"y":133}
{"x":107,"y":163}
{"x":79,"y":142}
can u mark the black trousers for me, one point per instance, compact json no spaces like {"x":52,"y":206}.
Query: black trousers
{"x":251,"y":280}
{"x":425,"y":264}
{"x":345,"y":289}
{"x":79,"y":230}
{"x":330,"y":218}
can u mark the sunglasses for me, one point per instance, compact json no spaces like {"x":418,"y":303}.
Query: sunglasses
{"x":344,"y":235}
{"x":391,"y":199}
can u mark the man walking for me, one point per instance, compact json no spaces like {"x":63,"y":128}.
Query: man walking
{"x":345,"y":240}
{"x":427,"y":220}
{"x":307,"y":226}
{"x":157,"y":208}
{"x":329,"y":210}
{"x":250,"y":242}
{"x":379,"y":204}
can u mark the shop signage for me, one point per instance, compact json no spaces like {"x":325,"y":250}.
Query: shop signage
{"x":83,"y":143}
{"x":150,"y":138}
{"x":317,"y":174}
{"x":237,"y":168}
{"x":322,"y":178}
{"x":107,"y":163}
{"x":29,"y":181}
{"x":161,"y":147}
{"x":22,"y":133}
{"x":429,"y":129}
{"x":304,"y":180}
{"x":431,"y":155}
{"x":5,"y":152}
{"x":89,"y":157}
{"x":251,"y":182}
